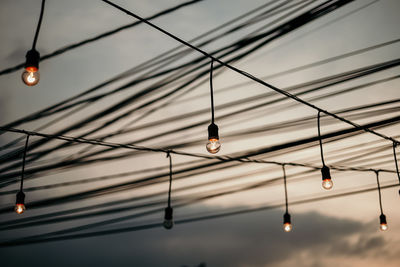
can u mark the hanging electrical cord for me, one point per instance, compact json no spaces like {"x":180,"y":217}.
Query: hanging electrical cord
{"x":395,"y":161}
{"x":326,"y":175}
{"x":20,"y":202}
{"x":287,"y":224}
{"x":301,"y":19}
{"x":213,"y":144}
{"x":31,"y":74}
{"x":168,"y":217}
{"x":382,"y":218}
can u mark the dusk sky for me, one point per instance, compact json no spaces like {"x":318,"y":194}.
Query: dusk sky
{"x":105,"y":207}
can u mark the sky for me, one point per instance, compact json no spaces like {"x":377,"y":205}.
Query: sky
{"x":341,"y":231}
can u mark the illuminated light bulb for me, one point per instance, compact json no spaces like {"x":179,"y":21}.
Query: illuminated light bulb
{"x":31,"y":74}
{"x":213,"y":144}
{"x":326,"y":178}
{"x":20,"y":203}
{"x":168,"y":220}
{"x":327,"y":184}
{"x":30,"y":78}
{"x":287,"y":225}
{"x":383,"y":223}
{"x":19,"y":208}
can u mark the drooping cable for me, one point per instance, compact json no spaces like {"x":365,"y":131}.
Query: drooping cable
{"x":38,"y":25}
{"x":213,"y":145}
{"x":301,"y":19}
{"x":382,"y":218}
{"x":20,"y":201}
{"x":31,"y":75}
{"x":212,"y":91}
{"x":287,"y":224}
{"x":319,"y":138}
{"x":326,"y":175}
{"x":168,"y":217}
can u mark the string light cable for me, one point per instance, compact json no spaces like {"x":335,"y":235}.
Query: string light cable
{"x":31,"y":75}
{"x":287,"y":224}
{"x":20,"y":202}
{"x":168,"y":216}
{"x":382,"y":218}
{"x":213,"y":144}
{"x":250,"y":76}
{"x":326,"y":175}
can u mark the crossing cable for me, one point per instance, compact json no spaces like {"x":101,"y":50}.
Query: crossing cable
{"x":252,"y":77}
{"x":148,"y":149}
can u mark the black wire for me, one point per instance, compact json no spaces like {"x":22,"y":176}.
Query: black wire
{"x":170,"y":178}
{"x":23,"y":163}
{"x":395,"y":161}
{"x":212,"y":91}
{"x":319,"y":138}
{"x":284,"y":180}
{"x":322,"y":9}
{"x":379,"y":190}
{"x":38,"y":26}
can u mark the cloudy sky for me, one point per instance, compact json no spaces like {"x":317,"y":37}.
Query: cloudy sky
{"x":341,"y":231}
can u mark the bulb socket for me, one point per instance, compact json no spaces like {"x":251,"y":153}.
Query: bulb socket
{"x":286,"y":218}
{"x":32,"y":60}
{"x":326,"y":174}
{"x":213,"y":131}
{"x":20,"y":198}
{"x":168,"y":213}
{"x":382,"y":219}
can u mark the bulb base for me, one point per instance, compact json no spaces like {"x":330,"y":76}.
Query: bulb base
{"x":286,"y":218}
{"x":326,"y":174}
{"x":20,"y":198}
{"x":168,"y":220}
{"x":32,"y":60}
{"x":213,"y":131}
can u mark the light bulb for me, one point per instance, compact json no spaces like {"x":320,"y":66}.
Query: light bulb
{"x":19,"y":208}
{"x":168,"y":224}
{"x":19,"y":204}
{"x":287,"y":227}
{"x":30,"y":77}
{"x":168,"y":219}
{"x":383,"y":227}
{"x":327,"y":184}
{"x":383,"y":223}
{"x":213,"y":145}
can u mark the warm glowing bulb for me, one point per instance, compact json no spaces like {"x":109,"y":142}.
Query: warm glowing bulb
{"x":19,"y":208}
{"x":383,"y":227}
{"x":168,"y":224}
{"x":30,"y":77}
{"x":287,"y":227}
{"x":213,"y":145}
{"x":327,"y":184}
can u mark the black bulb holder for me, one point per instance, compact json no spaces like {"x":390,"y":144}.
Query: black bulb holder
{"x":20,"y":198}
{"x":168,"y":213}
{"x":326,"y":174}
{"x":32,"y":60}
{"x":382,"y":219}
{"x":213,"y":131}
{"x":286,"y":218}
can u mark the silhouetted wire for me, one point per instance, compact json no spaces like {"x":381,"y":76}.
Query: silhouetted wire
{"x":37,"y":239}
{"x":92,"y":39}
{"x":38,"y":26}
{"x":299,"y":19}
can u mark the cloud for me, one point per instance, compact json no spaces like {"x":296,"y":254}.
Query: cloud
{"x":248,"y":240}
